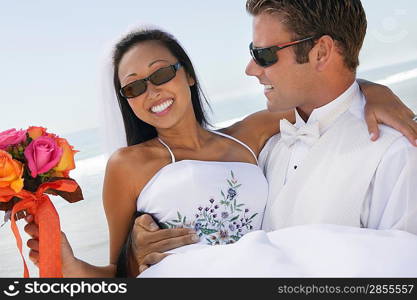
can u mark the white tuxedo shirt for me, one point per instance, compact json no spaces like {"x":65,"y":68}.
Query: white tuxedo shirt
{"x":391,"y":199}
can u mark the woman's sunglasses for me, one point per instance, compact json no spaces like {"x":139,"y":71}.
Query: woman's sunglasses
{"x":266,"y":57}
{"x":160,"y":76}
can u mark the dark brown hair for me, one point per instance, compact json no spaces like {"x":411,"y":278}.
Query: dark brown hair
{"x":138,"y":131}
{"x":343,"y":20}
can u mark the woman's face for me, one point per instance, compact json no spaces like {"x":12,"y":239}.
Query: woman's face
{"x":161,"y":106}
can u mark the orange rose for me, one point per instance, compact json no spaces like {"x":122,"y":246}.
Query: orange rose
{"x":11,"y":172}
{"x":67,"y":160}
{"x":35,"y":132}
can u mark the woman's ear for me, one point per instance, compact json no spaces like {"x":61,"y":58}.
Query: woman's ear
{"x":190,"y":79}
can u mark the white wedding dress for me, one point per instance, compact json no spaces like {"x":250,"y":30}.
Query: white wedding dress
{"x":300,"y":251}
{"x":222,"y":201}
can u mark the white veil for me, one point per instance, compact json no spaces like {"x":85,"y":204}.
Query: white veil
{"x":111,"y":122}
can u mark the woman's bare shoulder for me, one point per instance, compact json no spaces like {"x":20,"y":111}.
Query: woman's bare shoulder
{"x":138,"y":163}
{"x":257,"y":128}
{"x":131,"y":156}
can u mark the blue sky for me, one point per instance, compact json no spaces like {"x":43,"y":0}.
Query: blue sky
{"x":50,"y":50}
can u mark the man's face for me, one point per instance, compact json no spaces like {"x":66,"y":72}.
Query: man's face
{"x":286,"y":82}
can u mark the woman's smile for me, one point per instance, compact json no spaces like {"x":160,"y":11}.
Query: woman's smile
{"x":162,"y":107}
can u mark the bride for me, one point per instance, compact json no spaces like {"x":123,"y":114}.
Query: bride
{"x":202,"y":184}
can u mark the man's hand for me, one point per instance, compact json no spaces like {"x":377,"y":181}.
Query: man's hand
{"x":149,"y":242}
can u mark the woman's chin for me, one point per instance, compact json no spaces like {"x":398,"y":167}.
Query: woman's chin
{"x":163,"y":123}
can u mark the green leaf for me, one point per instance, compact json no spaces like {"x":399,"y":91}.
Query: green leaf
{"x":201,"y":220}
{"x":222,"y":193}
{"x":234,"y":218}
{"x":239,"y":185}
{"x":164,"y":226}
{"x":253,"y":216}
{"x":179,"y":216}
{"x":233,"y":175}
{"x":235,"y":237}
{"x":230,"y":184}
{"x":183,"y":220}
{"x":168,"y":223}
{"x":207,"y":231}
{"x":175,"y":221}
{"x":239,"y":205}
{"x":208,"y":241}
{"x":238,"y":209}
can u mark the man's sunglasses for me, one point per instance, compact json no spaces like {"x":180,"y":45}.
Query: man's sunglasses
{"x":266,"y":57}
{"x":160,"y":76}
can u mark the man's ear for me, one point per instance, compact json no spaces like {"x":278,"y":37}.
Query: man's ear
{"x":322,"y":52}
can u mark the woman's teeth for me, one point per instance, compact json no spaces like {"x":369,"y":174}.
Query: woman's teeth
{"x":268,"y":87}
{"x":161,"y":107}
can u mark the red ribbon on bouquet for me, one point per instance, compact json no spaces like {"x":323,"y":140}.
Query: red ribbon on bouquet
{"x":45,"y":215}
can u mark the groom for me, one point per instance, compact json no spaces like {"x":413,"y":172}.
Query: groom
{"x":323,"y":169}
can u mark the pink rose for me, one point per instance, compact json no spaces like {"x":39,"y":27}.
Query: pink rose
{"x":42,"y":155}
{"x":11,"y":137}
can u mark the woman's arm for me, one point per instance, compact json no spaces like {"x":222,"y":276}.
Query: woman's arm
{"x":257,"y":128}
{"x":119,"y":201}
{"x":72,"y":267}
{"x":384,"y":107}
{"x":119,"y":197}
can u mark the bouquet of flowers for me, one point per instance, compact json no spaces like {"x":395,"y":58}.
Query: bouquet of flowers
{"x":34,"y":163}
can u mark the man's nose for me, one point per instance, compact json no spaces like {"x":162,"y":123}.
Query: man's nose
{"x":252,"y":69}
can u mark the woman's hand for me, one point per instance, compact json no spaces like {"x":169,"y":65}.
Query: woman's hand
{"x":384,"y":107}
{"x":68,"y":258}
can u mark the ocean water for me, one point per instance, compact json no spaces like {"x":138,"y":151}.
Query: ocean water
{"x":84,"y":222}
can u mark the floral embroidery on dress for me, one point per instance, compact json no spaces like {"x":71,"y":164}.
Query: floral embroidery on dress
{"x":222,"y":221}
